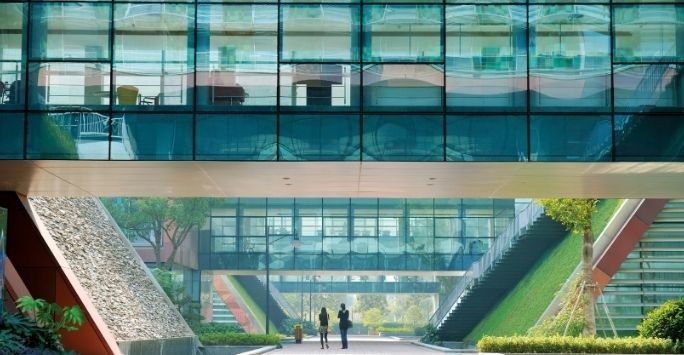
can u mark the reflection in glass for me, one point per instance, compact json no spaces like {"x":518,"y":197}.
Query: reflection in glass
{"x":68,"y":135}
{"x":235,"y":137}
{"x":648,"y":33}
{"x":569,"y":57}
{"x":570,"y":138}
{"x":403,"y":87}
{"x":69,"y":84}
{"x":486,"y":57}
{"x":483,"y":138}
{"x":641,"y":88}
{"x":153,"y":54}
{"x":236,"y":56}
{"x":11,"y":136}
{"x":70,"y":31}
{"x":151,"y":136}
{"x":320,"y":33}
{"x":319,"y":87}
{"x":11,"y":55}
{"x":402,"y":33}
{"x":403,"y":138}
{"x":319,"y":137}
{"x":649,"y":138}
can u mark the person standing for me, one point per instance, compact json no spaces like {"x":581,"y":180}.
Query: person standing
{"x":343,"y":315}
{"x":323,"y":319}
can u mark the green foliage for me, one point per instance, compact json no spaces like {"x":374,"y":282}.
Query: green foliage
{"x":56,"y":141}
{"x":556,"y":325}
{"x":206,"y":328}
{"x":414,"y":315}
{"x":666,"y":321}
{"x":239,"y":339}
{"x":574,"y":213}
{"x":564,"y":345}
{"x":308,"y":328}
{"x":367,"y":301}
{"x":431,"y":336}
{"x":372,"y":318}
{"x":403,"y":330}
{"x":176,"y":292}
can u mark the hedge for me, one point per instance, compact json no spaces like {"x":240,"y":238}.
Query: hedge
{"x":565,"y":344}
{"x":206,"y":328}
{"x":239,"y":339}
{"x":405,"y":330}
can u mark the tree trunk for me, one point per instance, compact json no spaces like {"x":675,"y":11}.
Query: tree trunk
{"x":587,"y":260}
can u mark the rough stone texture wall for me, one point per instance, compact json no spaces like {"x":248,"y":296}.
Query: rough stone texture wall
{"x":107,"y":266}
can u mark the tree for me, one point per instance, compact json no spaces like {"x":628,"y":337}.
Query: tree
{"x":414,"y":316}
{"x":576,"y":214}
{"x":366,"y":301}
{"x":372,"y":318}
{"x":156,"y":219}
{"x":176,"y":292}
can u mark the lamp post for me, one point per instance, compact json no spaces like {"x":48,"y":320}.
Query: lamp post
{"x":296,"y":243}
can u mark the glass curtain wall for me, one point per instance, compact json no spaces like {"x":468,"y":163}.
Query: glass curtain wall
{"x":356,"y":234}
{"x":376,"y":80}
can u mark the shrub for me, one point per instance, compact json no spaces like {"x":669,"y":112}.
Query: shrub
{"x":239,"y":339}
{"x":666,"y":321}
{"x":560,"y":344}
{"x":431,"y":335}
{"x":308,"y":328}
{"x":405,"y":330}
{"x":206,"y":328}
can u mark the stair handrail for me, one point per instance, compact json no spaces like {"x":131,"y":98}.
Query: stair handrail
{"x":504,"y":242}
{"x":279,"y":298}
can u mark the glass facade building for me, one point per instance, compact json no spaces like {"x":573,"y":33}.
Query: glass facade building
{"x":347,"y":80}
{"x":352,"y":234}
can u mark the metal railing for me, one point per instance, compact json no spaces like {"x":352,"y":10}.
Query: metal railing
{"x":527,"y":216}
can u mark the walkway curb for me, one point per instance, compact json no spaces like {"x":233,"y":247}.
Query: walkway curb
{"x":259,"y":351}
{"x":435,"y":347}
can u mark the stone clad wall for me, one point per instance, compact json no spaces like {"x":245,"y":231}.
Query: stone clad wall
{"x":120,"y":287}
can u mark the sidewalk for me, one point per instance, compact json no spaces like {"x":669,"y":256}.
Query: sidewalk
{"x":357,"y":345}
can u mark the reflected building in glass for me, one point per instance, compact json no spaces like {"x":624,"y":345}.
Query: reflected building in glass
{"x":350,"y":80}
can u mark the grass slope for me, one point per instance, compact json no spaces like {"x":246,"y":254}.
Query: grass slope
{"x":254,"y":308}
{"x":521,"y":308}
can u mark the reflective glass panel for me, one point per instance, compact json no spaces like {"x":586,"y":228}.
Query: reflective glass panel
{"x":403,"y":87}
{"x":70,"y":31}
{"x":68,"y":135}
{"x":402,"y":33}
{"x":11,"y":135}
{"x":152,"y":136}
{"x":78,"y":85}
{"x":645,"y":87}
{"x":570,"y":138}
{"x":153,"y":55}
{"x":403,"y":138}
{"x":235,"y":137}
{"x":320,"y":137}
{"x":569,"y":58}
{"x":648,"y":33}
{"x":11,"y":55}
{"x":320,"y":33}
{"x":486,"y":138}
{"x":649,"y":138}
{"x":319,"y":87}
{"x":236,"y":56}
{"x":486,"y":58}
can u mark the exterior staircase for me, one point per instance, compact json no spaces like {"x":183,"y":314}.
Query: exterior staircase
{"x":488,"y":280}
{"x":257,"y":290}
{"x":220,"y":312}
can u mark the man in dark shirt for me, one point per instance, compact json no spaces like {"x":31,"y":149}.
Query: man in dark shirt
{"x":343,"y":315}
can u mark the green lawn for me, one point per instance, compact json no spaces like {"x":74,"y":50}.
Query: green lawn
{"x":522,"y":307}
{"x":251,"y":304}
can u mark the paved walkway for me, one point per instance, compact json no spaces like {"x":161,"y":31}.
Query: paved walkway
{"x":357,"y":345}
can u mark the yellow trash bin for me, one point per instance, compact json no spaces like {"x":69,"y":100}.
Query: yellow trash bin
{"x":298,"y":334}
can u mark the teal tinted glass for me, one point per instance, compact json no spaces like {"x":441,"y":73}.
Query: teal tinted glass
{"x":486,"y":138}
{"x":648,"y":33}
{"x":320,"y":33}
{"x":320,"y":137}
{"x":486,"y":58}
{"x":319,"y":87}
{"x":236,"y":57}
{"x":147,"y":136}
{"x":402,"y":33}
{"x":153,"y":55}
{"x":235,"y":137}
{"x":649,"y":138}
{"x":570,"y":58}
{"x":70,"y":31}
{"x":403,"y":87}
{"x":11,"y":55}
{"x":11,"y":135}
{"x":570,"y":138}
{"x":68,"y":135}
{"x":82,"y":85}
{"x":403,"y":138}
{"x":645,"y":87}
